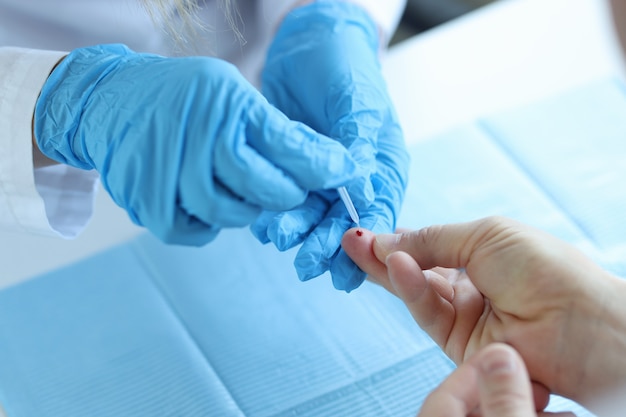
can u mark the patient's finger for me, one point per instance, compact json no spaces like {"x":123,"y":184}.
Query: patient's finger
{"x":432,"y":311}
{"x":494,"y":381}
{"x":541,"y":395}
{"x":357,"y":243}
{"x":503,"y":383}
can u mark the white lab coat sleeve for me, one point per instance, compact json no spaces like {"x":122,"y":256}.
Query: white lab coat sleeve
{"x":56,"y":200}
{"x":386,"y":13}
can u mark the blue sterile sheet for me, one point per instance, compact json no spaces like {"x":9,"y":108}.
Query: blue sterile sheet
{"x":146,"y":329}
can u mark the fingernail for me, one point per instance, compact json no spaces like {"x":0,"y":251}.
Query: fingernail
{"x":387,"y":241}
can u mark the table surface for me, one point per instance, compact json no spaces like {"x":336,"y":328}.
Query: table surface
{"x":504,"y":55}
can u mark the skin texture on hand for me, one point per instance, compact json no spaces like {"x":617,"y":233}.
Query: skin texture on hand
{"x":492,"y":383}
{"x":512,"y":284}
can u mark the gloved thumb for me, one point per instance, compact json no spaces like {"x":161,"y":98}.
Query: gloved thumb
{"x":503,"y":382}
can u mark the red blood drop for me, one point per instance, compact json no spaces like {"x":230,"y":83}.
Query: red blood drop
{"x":359,"y":233}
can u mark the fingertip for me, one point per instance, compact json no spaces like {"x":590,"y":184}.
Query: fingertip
{"x":357,"y":244}
{"x":305,"y":269}
{"x":310,"y":262}
{"x":284,"y":232}
{"x":260,"y":225}
{"x":503,"y":381}
{"x":259,"y":234}
{"x":346,"y":275}
{"x":356,"y":238}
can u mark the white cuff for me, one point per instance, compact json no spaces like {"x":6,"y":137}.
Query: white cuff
{"x":69,"y":195}
{"x":23,"y":72}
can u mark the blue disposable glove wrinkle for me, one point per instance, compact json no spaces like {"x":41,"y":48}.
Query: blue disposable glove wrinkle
{"x":299,"y":150}
{"x":318,"y":250}
{"x":288,"y":229}
{"x":185,"y":145}
{"x":260,"y":226}
{"x":323,"y":69}
{"x":325,"y":57}
{"x":345,"y":274}
{"x":379,"y":218}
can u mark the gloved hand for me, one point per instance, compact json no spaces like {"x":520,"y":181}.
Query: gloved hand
{"x":185,"y":145}
{"x":323,"y":69}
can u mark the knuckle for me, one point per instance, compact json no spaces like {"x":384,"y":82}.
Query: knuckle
{"x":424,"y":236}
{"x":494,"y":222}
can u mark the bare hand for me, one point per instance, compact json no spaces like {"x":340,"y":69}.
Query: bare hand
{"x":510,"y":283}
{"x":492,"y":383}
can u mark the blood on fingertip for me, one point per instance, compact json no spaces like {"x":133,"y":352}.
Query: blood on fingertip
{"x":359,"y":233}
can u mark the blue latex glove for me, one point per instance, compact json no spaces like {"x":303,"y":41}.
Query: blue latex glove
{"x":323,"y":69}
{"x":185,"y":145}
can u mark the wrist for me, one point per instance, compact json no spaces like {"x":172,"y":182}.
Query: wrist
{"x":65,"y":98}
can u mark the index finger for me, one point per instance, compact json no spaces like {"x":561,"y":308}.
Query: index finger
{"x":313,"y":160}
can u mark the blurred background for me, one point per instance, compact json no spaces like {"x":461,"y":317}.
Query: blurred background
{"x":421,"y":15}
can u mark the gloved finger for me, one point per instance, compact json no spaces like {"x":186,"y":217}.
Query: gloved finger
{"x":287,"y":229}
{"x":391,"y":159}
{"x":356,"y":123}
{"x":290,"y":228}
{"x":320,"y":57}
{"x":260,"y":224}
{"x":313,"y":160}
{"x":186,"y":230}
{"x":346,"y":275}
{"x":225,"y":210}
{"x":252,"y":178}
{"x":322,"y":244}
